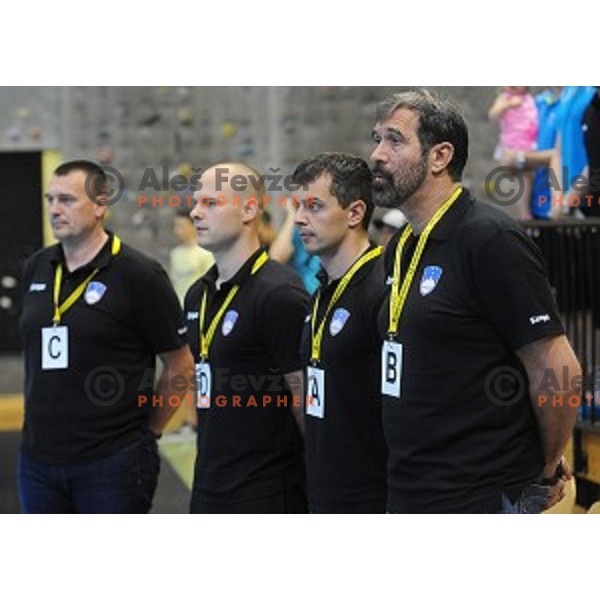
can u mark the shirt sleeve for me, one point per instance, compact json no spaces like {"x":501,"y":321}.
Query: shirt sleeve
{"x":157,"y":312}
{"x":281,"y":318}
{"x":191,"y":309}
{"x":513,"y":289}
{"x":27,"y":272}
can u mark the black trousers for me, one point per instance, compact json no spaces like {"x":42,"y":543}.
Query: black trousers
{"x":291,"y":499}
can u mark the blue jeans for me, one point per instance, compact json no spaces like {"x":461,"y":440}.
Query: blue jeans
{"x":533,"y":500}
{"x":124,"y":482}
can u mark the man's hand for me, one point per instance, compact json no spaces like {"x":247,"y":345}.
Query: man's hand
{"x":557,"y":490}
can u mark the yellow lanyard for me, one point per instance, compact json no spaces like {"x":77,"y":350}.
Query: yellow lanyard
{"x":400,"y":293}
{"x":59,"y":311}
{"x":206,"y":338}
{"x":317,"y":336}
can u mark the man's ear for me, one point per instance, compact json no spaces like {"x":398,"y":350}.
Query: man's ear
{"x":101,"y":206}
{"x":356,"y":213}
{"x":250,"y":210}
{"x":440,"y":157}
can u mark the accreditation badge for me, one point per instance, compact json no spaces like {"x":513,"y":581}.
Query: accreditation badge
{"x":315,"y":392}
{"x":55,"y":348}
{"x":203,"y":385}
{"x":391,"y":368}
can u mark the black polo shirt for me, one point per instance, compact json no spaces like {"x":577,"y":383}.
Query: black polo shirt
{"x":248,"y":437}
{"x":90,"y":410}
{"x":452,"y":448}
{"x":346,"y":452}
{"x":591,"y":136}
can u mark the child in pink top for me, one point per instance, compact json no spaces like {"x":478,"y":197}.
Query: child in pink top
{"x":515,"y":111}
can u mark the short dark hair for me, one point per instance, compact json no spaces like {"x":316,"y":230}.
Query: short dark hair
{"x":95,"y":174}
{"x":184,"y":213}
{"x":439,"y":121}
{"x":351,"y":178}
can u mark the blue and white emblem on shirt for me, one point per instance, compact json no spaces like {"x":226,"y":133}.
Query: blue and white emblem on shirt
{"x":340,"y":316}
{"x":431,"y":277}
{"x":94,"y":292}
{"x":229,"y":321}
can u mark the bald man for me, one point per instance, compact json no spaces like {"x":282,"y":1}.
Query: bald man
{"x":245,"y":319}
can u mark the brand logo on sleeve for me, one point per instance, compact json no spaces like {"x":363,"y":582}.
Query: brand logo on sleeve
{"x":229,"y":322}
{"x":339,"y":319}
{"x":431,"y":277}
{"x":94,"y":292}
{"x":539,"y":319}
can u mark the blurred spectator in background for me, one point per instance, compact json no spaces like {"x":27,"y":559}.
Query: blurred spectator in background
{"x":515,"y":111}
{"x":287,"y":248}
{"x":388,"y":225}
{"x":591,"y":138}
{"x":569,"y":160}
{"x":106,"y":156}
{"x":187,"y":261}
{"x":548,"y":104}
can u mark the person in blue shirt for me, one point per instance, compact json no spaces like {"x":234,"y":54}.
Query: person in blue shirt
{"x":560,"y":147}
{"x":287,"y":248}
{"x":548,"y":105}
{"x":570,"y":157}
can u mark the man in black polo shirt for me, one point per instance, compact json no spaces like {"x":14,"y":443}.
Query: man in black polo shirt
{"x":245,"y":319}
{"x":469,"y":323}
{"x":345,"y":447}
{"x":96,"y":313}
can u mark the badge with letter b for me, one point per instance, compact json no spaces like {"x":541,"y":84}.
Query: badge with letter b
{"x":391,"y":368}
{"x":55,"y":348}
{"x":203,"y":385}
{"x":315,"y":392}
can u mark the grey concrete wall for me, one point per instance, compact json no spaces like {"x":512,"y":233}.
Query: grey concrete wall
{"x":155,"y":126}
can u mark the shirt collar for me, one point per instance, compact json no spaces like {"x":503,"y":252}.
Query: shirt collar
{"x":324,"y":278}
{"x":101,"y":260}
{"x":243,"y":273}
{"x":454,"y":215}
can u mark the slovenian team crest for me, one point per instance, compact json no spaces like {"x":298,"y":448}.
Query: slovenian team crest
{"x":94,"y":292}
{"x":340,"y":316}
{"x":431,"y":277}
{"x":229,"y":322}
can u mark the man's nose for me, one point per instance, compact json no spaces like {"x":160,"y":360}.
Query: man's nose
{"x":197,"y":212}
{"x":301,"y":213}
{"x":378,"y":155}
{"x":53,"y":207}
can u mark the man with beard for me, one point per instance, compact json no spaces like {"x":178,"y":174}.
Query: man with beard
{"x":469,"y":321}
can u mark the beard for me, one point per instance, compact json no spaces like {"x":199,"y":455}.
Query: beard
{"x":393,"y":191}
